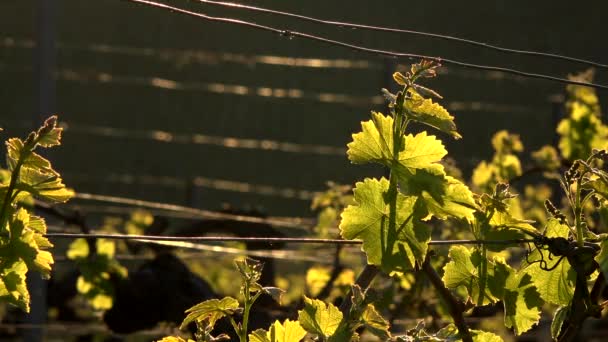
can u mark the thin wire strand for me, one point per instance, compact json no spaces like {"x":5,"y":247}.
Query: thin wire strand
{"x":196,"y":181}
{"x":200,"y":212}
{"x":405,"y":31}
{"x":120,"y":210}
{"x":269,"y":240}
{"x":386,"y":53}
{"x":205,"y":139}
{"x":184,"y":57}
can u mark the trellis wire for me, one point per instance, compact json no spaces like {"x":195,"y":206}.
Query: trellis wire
{"x":269,"y":240}
{"x":386,"y":53}
{"x":405,"y":31}
{"x":183,"y":57}
{"x":199,"y":212}
{"x":120,"y":210}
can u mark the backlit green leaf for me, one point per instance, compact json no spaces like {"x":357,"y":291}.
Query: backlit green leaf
{"x":375,"y":323}
{"x":12,"y":284}
{"x":392,"y":248}
{"x":45,"y":186}
{"x":289,"y":331}
{"x":175,"y":339}
{"x":558,"y":320}
{"x":521,"y":300}
{"x":374,"y":143}
{"x":464,"y":269}
{"x":555,"y":286}
{"x":211,"y":310}
{"x":319,"y":318}
{"x":450,"y":333}
{"x":430,"y":113}
{"x":421,"y":151}
{"x":602,"y":258}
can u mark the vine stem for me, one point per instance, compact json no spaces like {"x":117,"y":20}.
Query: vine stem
{"x":580,"y":240}
{"x":363,"y":281}
{"x":248,"y":304}
{"x":455,"y":307}
{"x":9,"y":192}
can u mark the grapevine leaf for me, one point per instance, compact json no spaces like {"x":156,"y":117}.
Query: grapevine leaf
{"x":251,"y":272}
{"x":49,"y":134}
{"x":392,"y":248}
{"x":438,"y":194}
{"x":464,"y":270}
{"x":558,"y":320}
{"x":582,"y":130}
{"x":375,"y":323}
{"x":421,"y":151}
{"x":174,"y":339}
{"x":316,"y":279}
{"x":289,"y":331}
{"x":430,"y":113}
{"x":259,"y":335}
{"x":450,"y":333}
{"x":94,"y":282}
{"x":274,"y":292}
{"x":506,"y":143}
{"x":374,"y":143}
{"x":15,"y":151}
{"x":23,"y":243}
{"x":12,"y":284}
{"x":502,"y":219}
{"x":602,"y":258}
{"x":547,"y":158}
{"x":485,"y":336}
{"x":456,"y":201}
{"x":503,"y":226}
{"x":48,"y":187}
{"x":522,"y":302}
{"x":599,"y":186}
{"x":78,"y":249}
{"x":319,"y":318}
{"x":211,"y":310}
{"x":555,"y":286}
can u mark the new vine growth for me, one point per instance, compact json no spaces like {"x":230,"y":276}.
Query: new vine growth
{"x":23,"y":246}
{"x":561,"y":268}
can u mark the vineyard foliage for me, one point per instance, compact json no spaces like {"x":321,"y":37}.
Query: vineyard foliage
{"x":421,"y":198}
{"x":23,"y":246}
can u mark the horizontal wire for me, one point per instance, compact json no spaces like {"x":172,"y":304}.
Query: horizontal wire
{"x":278,"y":93}
{"x":204,"y":139}
{"x":274,"y":254}
{"x":269,"y":240}
{"x":218,"y":88}
{"x":386,"y":53}
{"x":119,"y":210}
{"x":206,"y":252}
{"x":84,"y":77}
{"x":197,"y":181}
{"x":412,"y":32}
{"x":291,"y":223}
{"x":183,"y":57}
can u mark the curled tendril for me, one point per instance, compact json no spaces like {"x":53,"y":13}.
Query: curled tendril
{"x":543,"y":243}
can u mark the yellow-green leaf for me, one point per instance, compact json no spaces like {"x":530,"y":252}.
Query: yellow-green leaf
{"x":211,"y":310}
{"x":555,"y":286}
{"x":319,"y":318}
{"x":374,"y":143}
{"x":392,"y":248}
{"x":430,"y":113}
